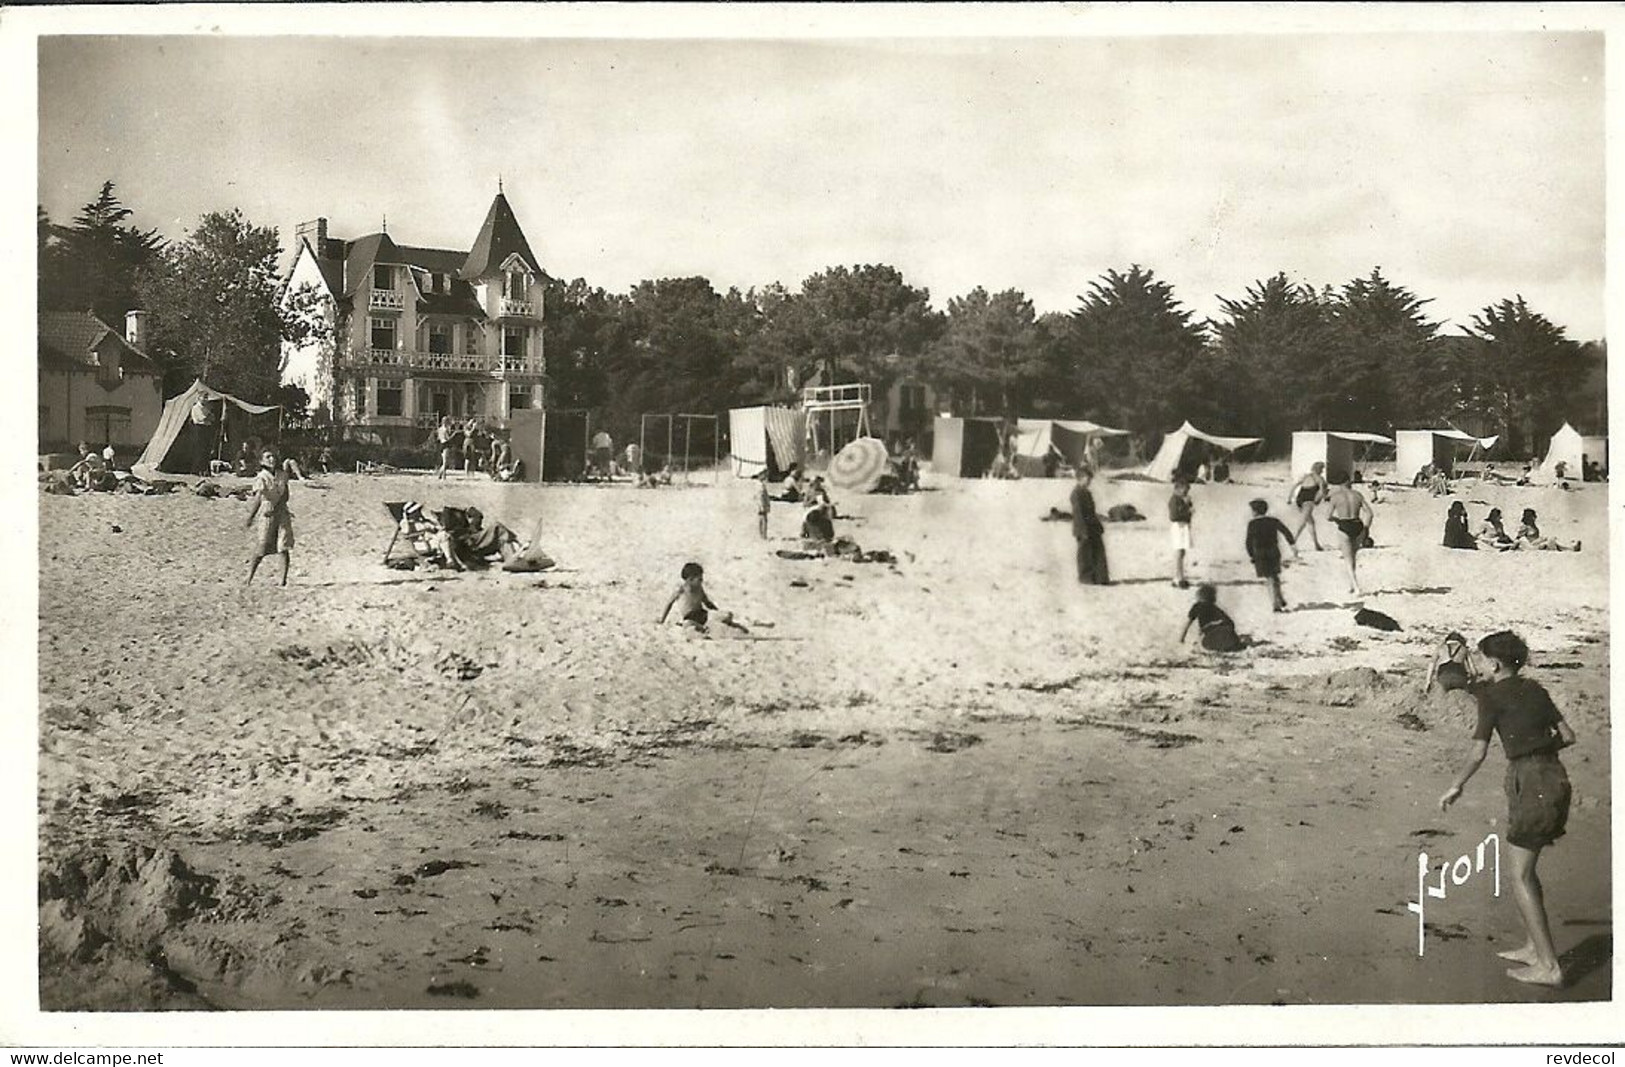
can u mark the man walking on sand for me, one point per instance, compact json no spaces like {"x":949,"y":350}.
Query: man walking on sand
{"x":1089,"y":532}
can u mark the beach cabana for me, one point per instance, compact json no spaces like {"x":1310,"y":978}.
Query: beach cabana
{"x":1180,"y":450}
{"x":1335,"y":448}
{"x":1415,"y":449}
{"x":964,"y":448}
{"x":1072,"y":438}
{"x":191,"y":429}
{"x":1574,"y":450}
{"x":766,"y":439}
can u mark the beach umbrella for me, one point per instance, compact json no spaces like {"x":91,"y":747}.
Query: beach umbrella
{"x":859,"y":465}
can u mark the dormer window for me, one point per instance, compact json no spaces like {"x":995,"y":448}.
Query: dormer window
{"x":383,"y":278}
{"x":514,"y":283}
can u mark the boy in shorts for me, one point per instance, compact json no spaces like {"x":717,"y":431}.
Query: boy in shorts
{"x":1264,"y":535}
{"x":691,"y":601}
{"x":1532,"y":731}
{"x":1180,"y":509}
{"x":1217,"y":628}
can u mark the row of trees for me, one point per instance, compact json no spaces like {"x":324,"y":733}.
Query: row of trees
{"x":1280,"y":356}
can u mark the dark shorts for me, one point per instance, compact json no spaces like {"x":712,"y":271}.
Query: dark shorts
{"x":1537,"y":789}
{"x":698,"y":617}
{"x":1307,"y":496}
{"x":1221,"y":638}
{"x":1267,"y":566}
{"x":1353,"y":529}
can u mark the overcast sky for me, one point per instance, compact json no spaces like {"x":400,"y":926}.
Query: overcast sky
{"x":1469,"y":167}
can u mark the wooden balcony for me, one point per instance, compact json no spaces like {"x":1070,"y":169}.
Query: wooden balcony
{"x":518,"y":309}
{"x":386,"y":300}
{"x":413,"y":363}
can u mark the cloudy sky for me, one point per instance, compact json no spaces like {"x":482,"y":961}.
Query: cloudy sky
{"x":1470,"y":167}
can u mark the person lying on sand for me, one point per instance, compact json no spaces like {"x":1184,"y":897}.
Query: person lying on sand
{"x":472,"y":543}
{"x":1217,"y":629}
{"x":1529,"y":536}
{"x":1453,"y":657}
{"x":692,"y":603}
{"x":1532,"y":731}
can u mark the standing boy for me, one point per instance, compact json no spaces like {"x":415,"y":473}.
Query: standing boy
{"x":1264,"y":535}
{"x":1179,"y":528}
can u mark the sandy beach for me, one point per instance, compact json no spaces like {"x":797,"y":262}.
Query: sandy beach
{"x":962,"y":779}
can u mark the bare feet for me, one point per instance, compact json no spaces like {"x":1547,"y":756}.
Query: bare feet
{"x":1535,"y":974}
{"x":1525,"y":955}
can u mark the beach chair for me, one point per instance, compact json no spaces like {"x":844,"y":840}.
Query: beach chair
{"x":419,"y":532}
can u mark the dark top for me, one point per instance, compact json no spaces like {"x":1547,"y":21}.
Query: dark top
{"x":1179,"y":508}
{"x":1085,"y":522}
{"x":1520,"y":711}
{"x":1456,"y":533}
{"x":1208,"y":616}
{"x":1263,"y":537}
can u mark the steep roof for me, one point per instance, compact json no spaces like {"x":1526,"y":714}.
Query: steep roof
{"x":499,"y":238}
{"x":362,"y":253}
{"x":69,"y":340}
{"x":439,"y":260}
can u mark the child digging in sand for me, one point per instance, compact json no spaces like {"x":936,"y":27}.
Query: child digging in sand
{"x":692,"y":603}
{"x":1264,"y":535}
{"x":1532,"y":731}
{"x":1218,"y":631}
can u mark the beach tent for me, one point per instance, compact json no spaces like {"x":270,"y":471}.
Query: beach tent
{"x":189,"y":430}
{"x":1570,"y":448}
{"x":1177,"y":447}
{"x":964,"y":448}
{"x":1335,"y":448}
{"x":1415,"y":449}
{"x":766,"y":438}
{"x":1070,"y":437}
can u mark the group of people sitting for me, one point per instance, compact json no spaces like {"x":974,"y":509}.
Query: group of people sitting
{"x":459,"y":538}
{"x":1492,"y":535}
{"x":94,"y":471}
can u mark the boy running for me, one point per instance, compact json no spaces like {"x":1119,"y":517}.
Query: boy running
{"x":1264,"y":535}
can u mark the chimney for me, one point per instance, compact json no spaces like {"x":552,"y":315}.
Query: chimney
{"x":316,"y":231}
{"x":135,"y":328}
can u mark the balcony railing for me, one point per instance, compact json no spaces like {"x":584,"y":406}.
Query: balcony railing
{"x":463,"y":362}
{"x":518,"y":308}
{"x":387,"y":300}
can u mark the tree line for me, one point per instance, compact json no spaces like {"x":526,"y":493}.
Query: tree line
{"x":1283,"y":355}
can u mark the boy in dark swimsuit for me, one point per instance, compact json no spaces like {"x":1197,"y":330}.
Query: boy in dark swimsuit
{"x":691,"y":600}
{"x":1352,"y":516}
{"x":1532,"y":731}
{"x":1264,"y":533}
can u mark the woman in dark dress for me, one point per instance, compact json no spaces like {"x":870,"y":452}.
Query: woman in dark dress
{"x":1456,"y":533}
{"x":1089,"y":532}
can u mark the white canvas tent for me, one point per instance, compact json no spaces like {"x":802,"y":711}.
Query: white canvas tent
{"x":1415,"y":449}
{"x":190,"y":430}
{"x":1171,"y":456}
{"x":766,"y":438}
{"x":1072,"y":438}
{"x":1335,"y":448}
{"x":1570,"y":448}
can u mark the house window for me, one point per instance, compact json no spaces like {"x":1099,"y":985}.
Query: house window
{"x":911,"y":398}
{"x":518,"y":397}
{"x":440,"y":338}
{"x":516,"y":286}
{"x":383,"y":278}
{"x":513,"y":343}
{"x":471,"y":342}
{"x":390,"y":398}
{"x":383,"y":333}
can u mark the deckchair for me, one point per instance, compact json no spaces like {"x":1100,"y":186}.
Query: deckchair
{"x":419,"y":531}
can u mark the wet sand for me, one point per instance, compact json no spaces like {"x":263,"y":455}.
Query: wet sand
{"x":959,"y":780}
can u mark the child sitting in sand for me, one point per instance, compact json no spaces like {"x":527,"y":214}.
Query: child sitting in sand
{"x":691,"y":600}
{"x":1217,"y":629}
{"x":1532,"y":731}
{"x":1264,"y":533}
{"x":1453,"y":658}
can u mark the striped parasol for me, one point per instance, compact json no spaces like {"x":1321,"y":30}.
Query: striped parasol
{"x":859,"y":465}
